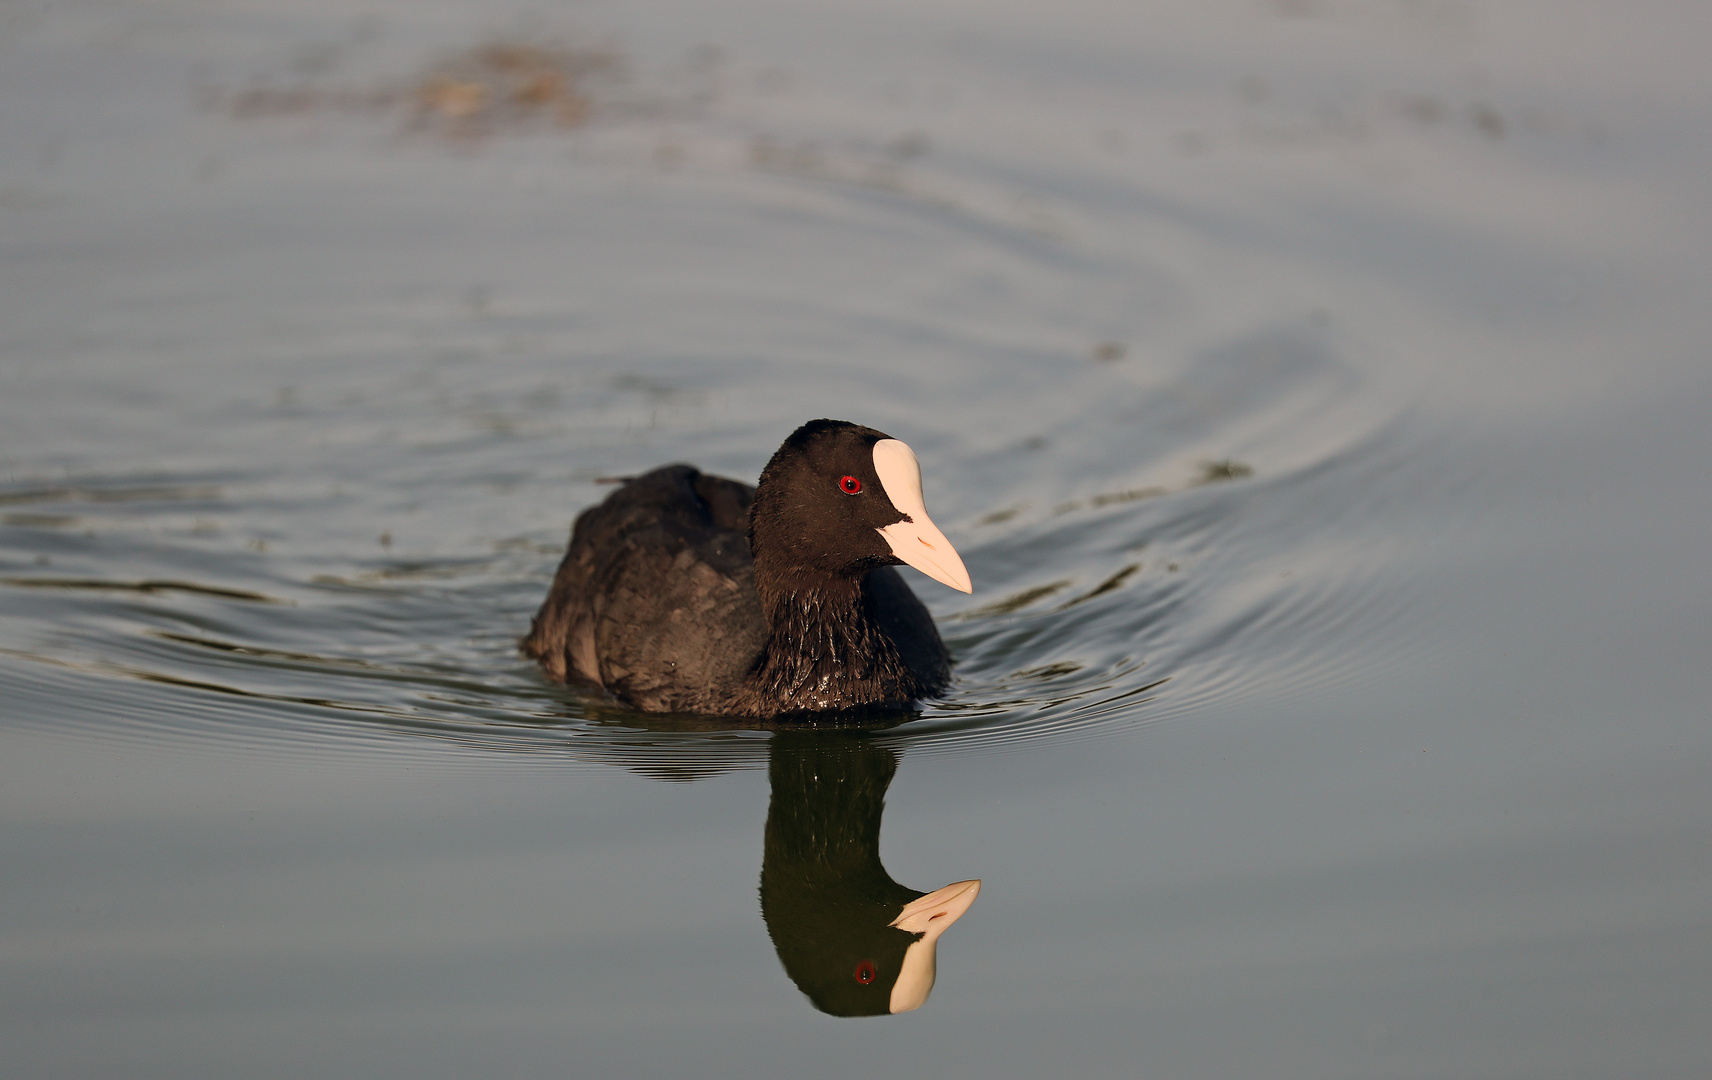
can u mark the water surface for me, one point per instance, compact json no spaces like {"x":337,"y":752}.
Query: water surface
{"x":1316,"y":392}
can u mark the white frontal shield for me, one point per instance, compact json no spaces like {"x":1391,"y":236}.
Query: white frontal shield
{"x":916,"y":539}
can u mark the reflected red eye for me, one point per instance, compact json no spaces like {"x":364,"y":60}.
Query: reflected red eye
{"x":851,"y":485}
{"x":864,"y":970}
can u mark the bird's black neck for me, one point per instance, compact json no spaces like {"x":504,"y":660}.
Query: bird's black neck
{"x":824,"y":649}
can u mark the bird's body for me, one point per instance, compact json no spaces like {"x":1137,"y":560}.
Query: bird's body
{"x":685,"y":592}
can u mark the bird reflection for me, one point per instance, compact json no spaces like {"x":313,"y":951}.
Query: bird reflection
{"x":852,"y":939}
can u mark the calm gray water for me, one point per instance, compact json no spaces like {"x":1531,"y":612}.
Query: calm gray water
{"x":1316,"y":390}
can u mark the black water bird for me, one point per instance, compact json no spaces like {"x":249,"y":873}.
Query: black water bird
{"x":853,"y":940}
{"x":684,"y":592}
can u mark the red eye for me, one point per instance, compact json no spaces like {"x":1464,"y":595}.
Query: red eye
{"x":851,"y":485}
{"x":865,"y":970}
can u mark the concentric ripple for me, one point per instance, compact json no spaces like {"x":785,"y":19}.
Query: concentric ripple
{"x":1130,"y":608}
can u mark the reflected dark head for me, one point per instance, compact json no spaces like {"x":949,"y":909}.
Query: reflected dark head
{"x":825,"y":897}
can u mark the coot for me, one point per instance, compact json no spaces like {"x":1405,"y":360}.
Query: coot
{"x":684,"y":592}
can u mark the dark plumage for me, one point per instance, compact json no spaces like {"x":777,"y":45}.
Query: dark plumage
{"x":684,"y":592}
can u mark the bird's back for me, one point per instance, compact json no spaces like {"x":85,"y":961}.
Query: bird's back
{"x":655,"y":599}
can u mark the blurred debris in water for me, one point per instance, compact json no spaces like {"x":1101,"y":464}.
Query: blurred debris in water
{"x":1214,"y":471}
{"x":506,"y":84}
{"x":494,"y":87}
